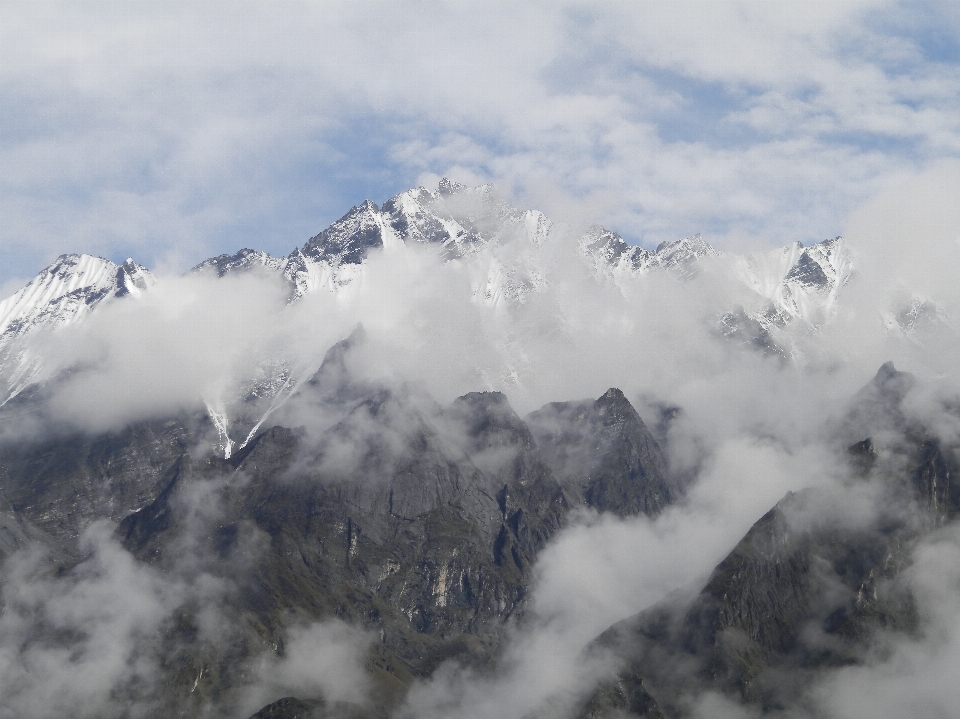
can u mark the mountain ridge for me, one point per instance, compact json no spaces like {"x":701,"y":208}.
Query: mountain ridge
{"x":460,"y":221}
{"x":421,"y":523}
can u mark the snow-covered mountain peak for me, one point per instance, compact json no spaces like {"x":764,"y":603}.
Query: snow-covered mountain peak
{"x":242,"y":260}
{"x":63,"y":292}
{"x":763,"y":272}
{"x":59,"y":295}
{"x":349,"y":238}
{"x":502,"y":246}
{"x":133,"y":279}
{"x":447,"y":188}
{"x":457,"y":219}
{"x":680,"y":253}
{"x":798,"y":284}
{"x":823,"y":268}
{"x":420,"y":215}
{"x":811,"y":286}
{"x":610,"y":252}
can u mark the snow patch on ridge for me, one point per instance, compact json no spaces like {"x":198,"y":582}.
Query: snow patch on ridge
{"x":221,"y":422}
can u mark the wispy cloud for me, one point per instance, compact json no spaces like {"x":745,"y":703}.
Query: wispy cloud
{"x":175,"y":132}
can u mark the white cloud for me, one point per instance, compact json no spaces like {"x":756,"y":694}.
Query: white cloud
{"x":102,"y":611}
{"x":175,"y":132}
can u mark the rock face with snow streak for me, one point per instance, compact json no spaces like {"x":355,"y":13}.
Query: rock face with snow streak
{"x":800,"y":282}
{"x":797,"y":284}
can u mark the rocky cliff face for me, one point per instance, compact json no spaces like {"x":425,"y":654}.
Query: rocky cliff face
{"x":604,"y":455}
{"x":417,"y":522}
{"x":813,"y":585}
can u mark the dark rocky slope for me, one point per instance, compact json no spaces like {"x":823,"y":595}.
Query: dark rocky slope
{"x":816,"y":583}
{"x":418,"y":523}
{"x":604,"y":456}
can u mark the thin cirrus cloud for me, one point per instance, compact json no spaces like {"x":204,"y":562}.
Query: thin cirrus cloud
{"x":175,"y":132}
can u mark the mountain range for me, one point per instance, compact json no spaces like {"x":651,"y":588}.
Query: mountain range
{"x":325,"y":498}
{"x":501,"y":246}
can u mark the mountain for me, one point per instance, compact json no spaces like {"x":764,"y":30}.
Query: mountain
{"x":66,"y":290}
{"x":811,"y":586}
{"x":457,"y":220}
{"x":320,"y":493}
{"x":62,"y":294}
{"x":499,"y":244}
{"x":797,"y":283}
{"x":419,"y":523}
{"x":801,"y":282}
{"x":612,"y":254}
{"x":624,"y":473}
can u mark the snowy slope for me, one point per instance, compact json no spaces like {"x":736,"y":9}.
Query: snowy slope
{"x":62,"y":294}
{"x":66,"y":290}
{"x":800,"y":283}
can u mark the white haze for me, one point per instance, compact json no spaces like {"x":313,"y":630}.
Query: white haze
{"x":752,"y":427}
{"x":105,"y":608}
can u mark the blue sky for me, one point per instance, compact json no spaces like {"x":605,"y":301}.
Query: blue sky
{"x":172,"y":132}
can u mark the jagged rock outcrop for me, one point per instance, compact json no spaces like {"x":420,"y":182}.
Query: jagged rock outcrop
{"x":420,"y":523}
{"x":604,"y":455}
